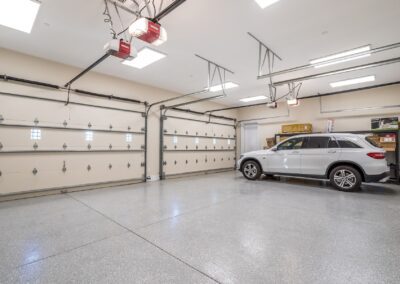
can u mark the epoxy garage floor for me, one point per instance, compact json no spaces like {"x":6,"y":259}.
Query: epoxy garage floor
{"x":205,"y":229}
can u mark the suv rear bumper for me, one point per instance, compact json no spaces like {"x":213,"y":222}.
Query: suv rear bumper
{"x":377,"y":178}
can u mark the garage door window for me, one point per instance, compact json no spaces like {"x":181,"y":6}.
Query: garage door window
{"x":36,"y":134}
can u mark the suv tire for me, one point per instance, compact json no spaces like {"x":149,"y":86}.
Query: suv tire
{"x":251,"y":170}
{"x":346,"y":178}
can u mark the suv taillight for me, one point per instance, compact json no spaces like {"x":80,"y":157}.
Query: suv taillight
{"x":377,"y":156}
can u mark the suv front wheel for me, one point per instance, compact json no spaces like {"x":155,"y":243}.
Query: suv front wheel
{"x":346,"y":178}
{"x":251,"y":170}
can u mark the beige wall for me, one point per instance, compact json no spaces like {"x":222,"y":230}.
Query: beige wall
{"x":350,"y":112}
{"x":28,"y":67}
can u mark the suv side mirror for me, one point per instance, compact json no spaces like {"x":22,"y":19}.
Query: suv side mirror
{"x":275,"y":149}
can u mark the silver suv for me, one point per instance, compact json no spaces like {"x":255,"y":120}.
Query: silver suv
{"x":346,"y":160}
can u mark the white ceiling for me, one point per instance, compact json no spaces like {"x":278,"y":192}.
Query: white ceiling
{"x":73,"y":32}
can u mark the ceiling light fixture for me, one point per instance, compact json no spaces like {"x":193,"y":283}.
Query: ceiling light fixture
{"x":342,"y":61}
{"x":265,"y":3}
{"x":145,"y":57}
{"x":252,"y":99}
{"x":293,"y":102}
{"x":226,"y":86}
{"x":340,"y":56}
{"x":353,"y":81}
{"x":19,"y":14}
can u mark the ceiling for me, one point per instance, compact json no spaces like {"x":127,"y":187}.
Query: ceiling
{"x":73,"y":32}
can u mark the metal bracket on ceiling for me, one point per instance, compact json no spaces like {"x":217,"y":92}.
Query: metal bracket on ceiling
{"x":213,"y":70}
{"x":266,"y":60}
{"x":294,"y":90}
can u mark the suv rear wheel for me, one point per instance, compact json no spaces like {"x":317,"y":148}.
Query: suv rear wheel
{"x":346,"y":178}
{"x":251,"y":170}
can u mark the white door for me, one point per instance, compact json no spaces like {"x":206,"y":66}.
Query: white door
{"x":317,"y":154}
{"x":251,"y":142}
{"x":287,"y":157}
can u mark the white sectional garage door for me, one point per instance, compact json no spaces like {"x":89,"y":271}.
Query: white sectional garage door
{"x":45,"y":144}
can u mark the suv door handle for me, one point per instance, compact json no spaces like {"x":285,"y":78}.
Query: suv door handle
{"x":295,"y":152}
{"x":332,"y":151}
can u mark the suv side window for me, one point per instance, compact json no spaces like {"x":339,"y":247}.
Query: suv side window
{"x":348,"y":144}
{"x":317,"y":142}
{"x":291,"y":144}
{"x":333,"y":143}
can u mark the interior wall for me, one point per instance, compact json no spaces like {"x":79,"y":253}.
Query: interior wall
{"x":350,"y":111}
{"x":28,"y":67}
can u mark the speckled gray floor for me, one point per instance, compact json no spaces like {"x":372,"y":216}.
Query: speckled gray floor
{"x":204,"y":229}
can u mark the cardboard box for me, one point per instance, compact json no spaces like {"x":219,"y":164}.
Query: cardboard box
{"x":297,"y":128}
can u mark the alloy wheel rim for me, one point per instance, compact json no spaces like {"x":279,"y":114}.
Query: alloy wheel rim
{"x":250,"y":170}
{"x":345,"y":179}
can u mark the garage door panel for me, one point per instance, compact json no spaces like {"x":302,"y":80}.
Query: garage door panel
{"x":61,"y":156}
{"x":27,"y":172}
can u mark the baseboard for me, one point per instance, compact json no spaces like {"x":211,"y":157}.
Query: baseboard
{"x":61,"y":190}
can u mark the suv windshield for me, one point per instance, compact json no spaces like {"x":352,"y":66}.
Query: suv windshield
{"x":371,"y":141}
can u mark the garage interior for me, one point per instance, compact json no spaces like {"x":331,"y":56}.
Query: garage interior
{"x":122,"y":123}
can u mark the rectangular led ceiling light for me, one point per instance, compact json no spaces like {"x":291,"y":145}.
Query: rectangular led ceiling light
{"x":340,"y":56}
{"x":265,"y":3}
{"x":342,"y":61}
{"x":353,"y":81}
{"x":145,"y":57}
{"x":252,"y":99}
{"x":19,"y":14}
{"x":227,"y":85}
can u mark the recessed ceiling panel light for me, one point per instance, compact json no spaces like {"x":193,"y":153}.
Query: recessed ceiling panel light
{"x":353,"y":81}
{"x":342,"y":61}
{"x":341,"y":55}
{"x":19,"y":14}
{"x":227,"y":85}
{"x":265,"y":3}
{"x":145,"y":57}
{"x":252,"y":99}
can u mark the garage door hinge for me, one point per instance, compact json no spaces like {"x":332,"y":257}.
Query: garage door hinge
{"x":35,"y":171}
{"x":143,"y":165}
{"x":164,"y":163}
{"x":165,"y":131}
{"x":142,"y":147}
{"x":65,"y":146}
{"x":110,"y":147}
{"x":1,"y":118}
{"x":35,"y":146}
{"x":165,"y":147}
{"x":143,"y":129}
{"x":36,"y":121}
{"x":65,"y":123}
{"x":143,"y":114}
{"x":1,"y":146}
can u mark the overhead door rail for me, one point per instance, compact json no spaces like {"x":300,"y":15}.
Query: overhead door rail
{"x":17,"y":80}
{"x":216,"y":75}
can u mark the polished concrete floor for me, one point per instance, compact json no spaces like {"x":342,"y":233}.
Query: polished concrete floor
{"x":205,"y":229}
